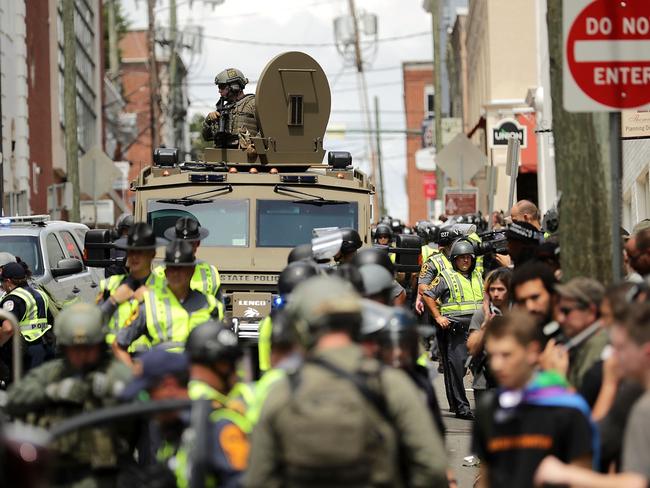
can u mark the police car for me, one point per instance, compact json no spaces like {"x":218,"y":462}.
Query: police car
{"x":54,"y":252}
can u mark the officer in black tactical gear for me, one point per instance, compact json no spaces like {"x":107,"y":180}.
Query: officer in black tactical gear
{"x":380,"y":256}
{"x":234,"y":121}
{"x":122,"y":227}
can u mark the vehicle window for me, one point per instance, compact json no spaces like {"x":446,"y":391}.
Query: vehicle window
{"x":226,"y":220}
{"x":54,"y":251}
{"x":26,"y":248}
{"x":285,"y":223}
{"x":71,"y":245}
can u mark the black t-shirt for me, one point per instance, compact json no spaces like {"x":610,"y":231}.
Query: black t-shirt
{"x":513,"y":443}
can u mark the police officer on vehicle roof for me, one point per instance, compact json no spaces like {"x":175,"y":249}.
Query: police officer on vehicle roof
{"x":235,"y":115}
{"x":206,"y":277}
{"x":452,"y":300}
{"x":169,"y":312}
{"x":84,"y":379}
{"x":290,"y":277}
{"x":117,"y":292}
{"x":31,"y":309}
{"x":335,"y":394}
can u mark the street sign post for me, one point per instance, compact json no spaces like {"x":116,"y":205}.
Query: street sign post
{"x":460,"y":202}
{"x":607,"y":55}
{"x":461,"y":157}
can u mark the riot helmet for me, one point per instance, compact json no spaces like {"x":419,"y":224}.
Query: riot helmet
{"x":399,"y":339}
{"x":212,"y":342}
{"x":383,"y":231}
{"x":124,"y":223}
{"x":293,"y":274}
{"x":299,"y":253}
{"x":351,"y":240}
{"x":462,"y":247}
{"x":324,"y":304}
{"x":80,"y":324}
{"x":374,"y":255}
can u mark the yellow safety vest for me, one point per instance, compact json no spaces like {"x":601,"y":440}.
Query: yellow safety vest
{"x":124,"y":311}
{"x":205,"y":279}
{"x":233,"y":402}
{"x":262,"y":389}
{"x":441,"y":262}
{"x":465,"y":295}
{"x":427,"y":252}
{"x":168,"y":323}
{"x":32,"y":325}
{"x":264,"y":343}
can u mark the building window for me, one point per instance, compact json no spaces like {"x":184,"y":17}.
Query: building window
{"x":428,"y":102}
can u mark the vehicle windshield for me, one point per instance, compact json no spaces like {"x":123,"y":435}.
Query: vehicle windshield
{"x":26,"y":248}
{"x":226,"y":220}
{"x":283,"y":223}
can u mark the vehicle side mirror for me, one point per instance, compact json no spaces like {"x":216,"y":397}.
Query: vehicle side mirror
{"x":67,"y":267}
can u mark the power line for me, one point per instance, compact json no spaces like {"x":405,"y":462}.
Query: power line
{"x":310,"y":44}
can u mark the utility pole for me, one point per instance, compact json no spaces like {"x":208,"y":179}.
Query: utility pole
{"x":365,"y":105}
{"x":113,"y":59}
{"x":2,"y":166}
{"x":70,"y":105}
{"x":382,"y":198}
{"x":173,"y":89}
{"x":153,"y":75}
{"x":437,"y":90}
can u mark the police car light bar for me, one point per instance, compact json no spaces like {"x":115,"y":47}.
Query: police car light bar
{"x":31,"y":219}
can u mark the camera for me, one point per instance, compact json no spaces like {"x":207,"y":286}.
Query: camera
{"x":494,"y":242}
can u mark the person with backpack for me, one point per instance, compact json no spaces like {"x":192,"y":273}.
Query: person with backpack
{"x":342,"y":419}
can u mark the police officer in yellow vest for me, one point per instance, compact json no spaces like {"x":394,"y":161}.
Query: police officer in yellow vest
{"x":452,"y":300}
{"x":290,"y":277}
{"x":168,"y":313}
{"x":214,"y":352}
{"x":206,"y":276}
{"x":118,"y":293}
{"x":31,"y":308}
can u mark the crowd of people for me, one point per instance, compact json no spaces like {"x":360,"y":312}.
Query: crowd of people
{"x":347,"y":359}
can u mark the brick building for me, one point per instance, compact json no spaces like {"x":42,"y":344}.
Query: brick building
{"x":418,"y":106}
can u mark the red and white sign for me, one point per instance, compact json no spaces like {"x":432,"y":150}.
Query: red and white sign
{"x":461,"y":202}
{"x":430,"y":186}
{"x":607,"y":55}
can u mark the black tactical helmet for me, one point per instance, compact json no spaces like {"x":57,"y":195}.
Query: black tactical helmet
{"x":461,"y":247}
{"x":294,"y":274}
{"x":351,"y":240}
{"x":298,"y":253}
{"x":212,"y":341}
{"x":374,"y":255}
{"x":283,"y":333}
{"x":383,"y":230}
{"x":179,"y":253}
{"x":401,"y":330}
{"x":448,"y":234}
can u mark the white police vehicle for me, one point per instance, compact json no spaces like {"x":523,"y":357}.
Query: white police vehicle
{"x":54,"y":252}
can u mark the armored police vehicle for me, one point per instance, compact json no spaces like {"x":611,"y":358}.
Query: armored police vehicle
{"x":258,"y":205}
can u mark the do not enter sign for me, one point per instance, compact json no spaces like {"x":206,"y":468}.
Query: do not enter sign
{"x":607,"y":54}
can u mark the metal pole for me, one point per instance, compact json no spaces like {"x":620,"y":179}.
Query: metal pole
{"x":172,"y":74}
{"x":153,"y":75}
{"x":113,"y":61}
{"x":616,"y":158}
{"x":382,"y":199}
{"x":70,"y":105}
{"x":437,"y":93}
{"x":2,"y":169}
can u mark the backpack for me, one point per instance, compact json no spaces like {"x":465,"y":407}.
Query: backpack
{"x":338,"y":430}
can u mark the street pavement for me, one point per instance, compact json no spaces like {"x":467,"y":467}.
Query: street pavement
{"x":459,"y":435}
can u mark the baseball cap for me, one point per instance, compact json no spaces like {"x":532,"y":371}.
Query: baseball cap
{"x":582,"y":289}
{"x":155,"y":363}
{"x":13,"y":271}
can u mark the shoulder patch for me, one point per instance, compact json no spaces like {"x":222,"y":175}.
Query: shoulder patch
{"x":8,"y":305}
{"x":132,"y":317}
{"x":435,"y":282}
{"x":235,"y":446}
